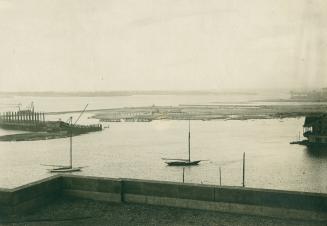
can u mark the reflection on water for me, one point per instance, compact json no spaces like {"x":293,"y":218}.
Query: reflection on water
{"x":317,"y":152}
{"x":135,"y":150}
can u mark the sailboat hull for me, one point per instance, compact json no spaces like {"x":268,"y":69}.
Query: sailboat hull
{"x":183,"y":163}
{"x":186,"y":162}
{"x":65,"y":169}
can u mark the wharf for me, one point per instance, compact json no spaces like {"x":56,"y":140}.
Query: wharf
{"x":39,"y":128}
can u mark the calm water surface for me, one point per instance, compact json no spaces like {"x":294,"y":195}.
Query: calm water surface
{"x":135,"y":150}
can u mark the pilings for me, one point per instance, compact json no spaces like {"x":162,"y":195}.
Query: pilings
{"x":35,"y":121}
{"x":29,"y":117}
{"x":22,"y":120}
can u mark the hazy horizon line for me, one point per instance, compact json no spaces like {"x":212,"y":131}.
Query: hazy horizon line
{"x":148,"y":92}
{"x":160,"y":90}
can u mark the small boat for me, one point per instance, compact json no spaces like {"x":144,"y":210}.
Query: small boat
{"x":66,"y":169}
{"x":184,"y":162}
{"x":63,"y":169}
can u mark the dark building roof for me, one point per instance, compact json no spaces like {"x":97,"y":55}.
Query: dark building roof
{"x":311,"y":120}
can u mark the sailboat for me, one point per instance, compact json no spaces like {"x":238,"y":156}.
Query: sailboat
{"x":70,"y":168}
{"x":184,"y":162}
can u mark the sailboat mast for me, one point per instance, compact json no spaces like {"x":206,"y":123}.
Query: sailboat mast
{"x":71,"y":142}
{"x":189,"y":141}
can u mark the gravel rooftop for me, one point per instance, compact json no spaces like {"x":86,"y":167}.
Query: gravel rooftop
{"x":84,"y":212}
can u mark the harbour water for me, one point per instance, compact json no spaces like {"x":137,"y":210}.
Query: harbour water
{"x":135,"y":150}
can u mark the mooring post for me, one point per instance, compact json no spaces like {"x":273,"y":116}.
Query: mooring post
{"x":183,"y":174}
{"x":243,"y":169}
{"x":219,"y":175}
{"x":71,"y":142}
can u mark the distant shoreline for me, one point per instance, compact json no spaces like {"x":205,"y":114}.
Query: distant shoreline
{"x":183,"y":112}
{"x":124,"y":93}
{"x":202,"y":112}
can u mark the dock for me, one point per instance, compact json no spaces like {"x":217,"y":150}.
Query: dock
{"x":40,"y":129}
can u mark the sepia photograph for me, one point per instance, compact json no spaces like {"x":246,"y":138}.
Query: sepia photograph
{"x":163,"y":112}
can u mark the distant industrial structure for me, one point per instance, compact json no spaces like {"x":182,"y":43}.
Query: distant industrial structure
{"x":22,"y":120}
{"x":30,"y":120}
{"x":315,"y":96}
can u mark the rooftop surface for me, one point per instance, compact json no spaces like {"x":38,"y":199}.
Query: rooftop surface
{"x":85,"y":212}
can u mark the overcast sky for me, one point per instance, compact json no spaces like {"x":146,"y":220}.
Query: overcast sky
{"x":72,"y":45}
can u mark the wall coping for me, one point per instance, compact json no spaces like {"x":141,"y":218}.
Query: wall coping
{"x":63,"y":176}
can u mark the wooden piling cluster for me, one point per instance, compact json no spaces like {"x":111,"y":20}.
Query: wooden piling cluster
{"x":22,"y":120}
{"x":23,"y":117}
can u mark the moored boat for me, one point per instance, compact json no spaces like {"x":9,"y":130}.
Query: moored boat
{"x":315,"y":130}
{"x":184,"y":162}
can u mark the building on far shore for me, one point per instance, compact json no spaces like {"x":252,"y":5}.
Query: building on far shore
{"x":315,"y":129}
{"x":316,"y":96}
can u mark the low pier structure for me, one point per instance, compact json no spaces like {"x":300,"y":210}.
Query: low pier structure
{"x":28,"y":120}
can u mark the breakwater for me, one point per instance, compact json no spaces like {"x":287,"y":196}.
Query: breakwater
{"x":263,"y":202}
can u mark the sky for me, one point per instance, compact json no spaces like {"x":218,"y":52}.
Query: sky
{"x":108,"y":45}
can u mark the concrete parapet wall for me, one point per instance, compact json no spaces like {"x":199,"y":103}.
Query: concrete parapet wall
{"x":263,"y":202}
{"x":30,"y":196}
{"x":96,"y":188}
{"x":272,"y":198}
{"x":227,"y":207}
{"x":169,"y":189}
{"x":5,"y":200}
